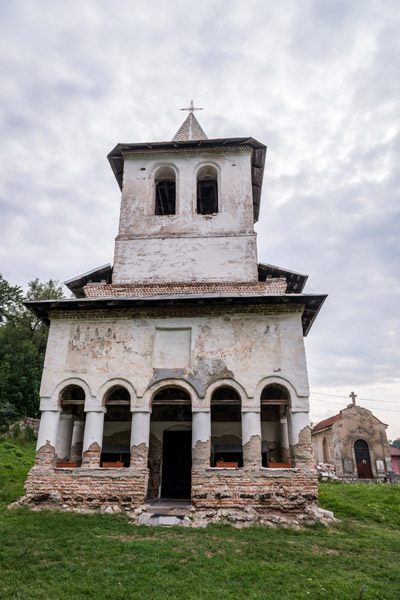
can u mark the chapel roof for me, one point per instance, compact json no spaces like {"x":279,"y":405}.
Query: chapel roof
{"x":189,"y":130}
{"x":325,"y":423}
{"x":394,"y":451}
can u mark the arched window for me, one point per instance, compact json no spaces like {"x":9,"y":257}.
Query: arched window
{"x":71,"y":426}
{"x":117,"y":428}
{"x":207,"y":190}
{"x":165,"y":183}
{"x":325,"y":456}
{"x":274,"y":429}
{"x":226,"y":428}
{"x":72,"y":394}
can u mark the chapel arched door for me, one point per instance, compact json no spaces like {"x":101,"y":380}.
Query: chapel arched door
{"x":363,"y":460}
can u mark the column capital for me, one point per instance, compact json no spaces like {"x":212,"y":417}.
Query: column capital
{"x":197,"y":409}
{"x":49,"y":404}
{"x":98,"y":409}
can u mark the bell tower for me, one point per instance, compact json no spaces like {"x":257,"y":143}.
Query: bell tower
{"x":188,"y":208}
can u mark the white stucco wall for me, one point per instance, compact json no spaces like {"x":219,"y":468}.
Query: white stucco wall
{"x":186,"y":246}
{"x":248,"y":350}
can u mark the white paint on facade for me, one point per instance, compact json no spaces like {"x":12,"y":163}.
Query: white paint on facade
{"x":186,"y":246}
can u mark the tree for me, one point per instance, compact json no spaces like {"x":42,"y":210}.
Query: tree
{"x":23,"y":339}
{"x":396,"y":443}
{"x":38,"y":290}
{"x":11,"y":307}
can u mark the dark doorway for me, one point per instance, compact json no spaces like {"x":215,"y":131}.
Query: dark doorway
{"x":177,"y":464}
{"x":363,"y":460}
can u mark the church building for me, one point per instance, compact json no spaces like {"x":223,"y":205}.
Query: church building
{"x":355,"y":443}
{"x":180,"y":371}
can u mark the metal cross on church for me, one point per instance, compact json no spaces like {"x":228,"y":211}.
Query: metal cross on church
{"x":191,"y":107}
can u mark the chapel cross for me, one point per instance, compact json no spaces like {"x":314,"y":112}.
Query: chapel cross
{"x":353,"y":397}
{"x":191,"y":107}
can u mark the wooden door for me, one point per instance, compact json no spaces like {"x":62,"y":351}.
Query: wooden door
{"x":363,"y":460}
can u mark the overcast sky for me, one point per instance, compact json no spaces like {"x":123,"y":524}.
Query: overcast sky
{"x":317,"y":81}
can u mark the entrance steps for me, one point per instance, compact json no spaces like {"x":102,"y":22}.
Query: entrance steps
{"x":166,"y":513}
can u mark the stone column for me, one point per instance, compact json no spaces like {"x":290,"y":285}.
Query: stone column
{"x":93,"y":438}
{"x":251,"y":438}
{"x":140,"y":436}
{"x":45,"y":447}
{"x":77,"y":440}
{"x":201,"y":438}
{"x":64,"y":436}
{"x":284,"y":438}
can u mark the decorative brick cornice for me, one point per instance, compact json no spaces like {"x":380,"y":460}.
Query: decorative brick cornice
{"x":259,"y":288}
{"x":164,"y":312}
{"x":203,"y":151}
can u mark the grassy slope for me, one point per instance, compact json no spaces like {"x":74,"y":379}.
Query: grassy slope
{"x":53,"y":555}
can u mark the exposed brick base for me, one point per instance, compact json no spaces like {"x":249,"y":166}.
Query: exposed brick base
{"x":286,"y":490}
{"x":254,"y":495}
{"x":83,"y":487}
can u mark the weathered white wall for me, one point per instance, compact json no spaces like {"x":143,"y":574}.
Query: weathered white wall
{"x":186,"y":246}
{"x":164,"y":260}
{"x":251,"y":350}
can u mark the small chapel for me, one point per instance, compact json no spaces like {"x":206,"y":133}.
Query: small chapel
{"x":179,"y":372}
{"x":355,"y":443}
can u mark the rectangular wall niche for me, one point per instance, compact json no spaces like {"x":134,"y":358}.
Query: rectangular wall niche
{"x":172,"y":348}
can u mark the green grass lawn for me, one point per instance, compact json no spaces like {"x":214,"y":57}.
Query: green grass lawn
{"x":53,"y":555}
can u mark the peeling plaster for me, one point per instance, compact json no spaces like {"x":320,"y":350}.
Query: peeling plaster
{"x":201,"y":454}
{"x":252,"y":451}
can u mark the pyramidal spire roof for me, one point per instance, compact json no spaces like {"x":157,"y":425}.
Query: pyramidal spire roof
{"x":189,"y":130}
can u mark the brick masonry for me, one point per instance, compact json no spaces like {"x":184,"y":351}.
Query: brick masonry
{"x":271,"y":286}
{"x":90,"y":488}
{"x":163,"y":312}
{"x":288,"y":492}
{"x":265,"y":490}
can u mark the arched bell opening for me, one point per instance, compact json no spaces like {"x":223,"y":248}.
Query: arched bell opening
{"x":207,"y":190}
{"x":226,"y":428}
{"x":165,"y":191}
{"x":274,"y":425}
{"x":170,"y":448}
{"x":71,"y":426}
{"x":117,"y":428}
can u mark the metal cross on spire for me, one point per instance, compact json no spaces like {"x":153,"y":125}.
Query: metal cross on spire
{"x":353,"y":397}
{"x":191,"y":107}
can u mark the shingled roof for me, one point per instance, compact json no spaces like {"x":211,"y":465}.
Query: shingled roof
{"x":189,"y":130}
{"x":325,"y":423}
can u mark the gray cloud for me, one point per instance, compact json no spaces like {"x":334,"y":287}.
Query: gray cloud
{"x":315,"y":81}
